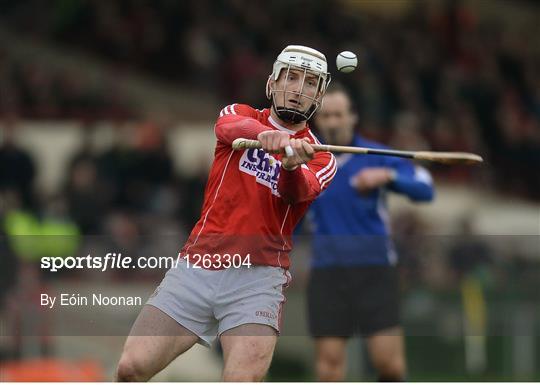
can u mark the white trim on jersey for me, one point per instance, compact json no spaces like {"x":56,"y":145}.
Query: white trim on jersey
{"x":314,"y":137}
{"x":329,"y":178}
{"x":281,"y":233}
{"x":279,"y":126}
{"x":328,"y":175}
{"x":228,"y":110}
{"x":328,"y":172}
{"x":325,"y":169}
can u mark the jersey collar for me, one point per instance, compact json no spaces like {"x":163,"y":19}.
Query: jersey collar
{"x":278,"y":126}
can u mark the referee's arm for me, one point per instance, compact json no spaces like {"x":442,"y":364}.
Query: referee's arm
{"x":411,"y":180}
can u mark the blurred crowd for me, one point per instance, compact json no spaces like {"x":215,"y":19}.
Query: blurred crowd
{"x":133,"y":181}
{"x":37,"y":90}
{"x":435,"y":78}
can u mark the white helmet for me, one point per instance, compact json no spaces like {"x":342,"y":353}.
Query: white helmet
{"x":305,"y":59}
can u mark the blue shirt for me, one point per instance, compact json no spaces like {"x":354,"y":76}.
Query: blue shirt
{"x":351,"y":229}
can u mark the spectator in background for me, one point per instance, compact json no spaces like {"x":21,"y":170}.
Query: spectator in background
{"x":117,"y":169}
{"x":8,"y":260}
{"x":83,"y":191}
{"x":84,"y":196}
{"x":17,"y":169}
{"x":136,"y":167}
{"x":469,"y":253}
{"x":192,"y":193}
{"x":156,"y":166}
{"x":470,"y":257}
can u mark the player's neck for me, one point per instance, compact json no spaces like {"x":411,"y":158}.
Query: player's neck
{"x":290,"y":126}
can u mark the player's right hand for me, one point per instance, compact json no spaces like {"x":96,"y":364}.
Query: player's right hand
{"x":302,"y":153}
{"x":274,"y":141}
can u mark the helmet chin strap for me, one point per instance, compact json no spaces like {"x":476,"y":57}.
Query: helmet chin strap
{"x":292,"y":115}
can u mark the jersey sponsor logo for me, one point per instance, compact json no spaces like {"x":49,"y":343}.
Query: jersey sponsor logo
{"x":263,"y":166}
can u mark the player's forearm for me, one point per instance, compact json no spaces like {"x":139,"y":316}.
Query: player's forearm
{"x":230,"y":127}
{"x":415,"y":190}
{"x":299,"y":185}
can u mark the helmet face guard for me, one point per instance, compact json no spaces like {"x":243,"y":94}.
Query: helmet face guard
{"x":308,"y":62}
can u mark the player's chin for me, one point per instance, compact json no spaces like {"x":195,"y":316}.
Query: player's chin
{"x":288,"y":106}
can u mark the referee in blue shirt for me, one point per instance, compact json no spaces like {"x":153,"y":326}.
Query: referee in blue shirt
{"x":353,"y":286}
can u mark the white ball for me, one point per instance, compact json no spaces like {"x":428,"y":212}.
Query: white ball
{"x":346,"y":61}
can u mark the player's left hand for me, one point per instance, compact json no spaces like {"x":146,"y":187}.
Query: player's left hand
{"x":303,"y":153}
{"x":372,"y":178}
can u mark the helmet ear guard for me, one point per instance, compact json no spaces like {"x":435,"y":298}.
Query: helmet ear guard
{"x":304,"y":59}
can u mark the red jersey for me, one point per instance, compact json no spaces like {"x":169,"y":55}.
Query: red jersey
{"x":251,"y":204}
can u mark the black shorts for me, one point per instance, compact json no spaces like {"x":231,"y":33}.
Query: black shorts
{"x":344,"y":301}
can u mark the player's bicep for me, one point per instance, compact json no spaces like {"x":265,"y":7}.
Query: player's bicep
{"x":236,"y":120}
{"x":239,"y":110}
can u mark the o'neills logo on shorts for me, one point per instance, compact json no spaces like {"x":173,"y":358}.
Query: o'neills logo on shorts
{"x":263,"y":166}
{"x":267,"y":314}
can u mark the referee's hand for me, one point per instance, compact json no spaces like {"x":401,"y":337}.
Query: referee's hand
{"x":371,"y":178}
